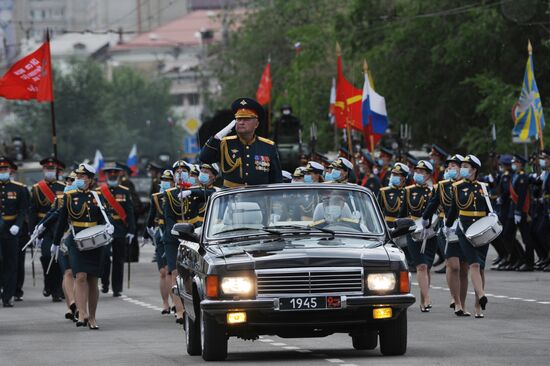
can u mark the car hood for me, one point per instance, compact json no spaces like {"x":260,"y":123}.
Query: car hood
{"x":289,"y":254}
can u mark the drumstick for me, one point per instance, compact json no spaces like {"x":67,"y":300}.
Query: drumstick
{"x":50,"y":264}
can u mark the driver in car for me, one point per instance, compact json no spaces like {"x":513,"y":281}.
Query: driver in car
{"x":334,"y":211}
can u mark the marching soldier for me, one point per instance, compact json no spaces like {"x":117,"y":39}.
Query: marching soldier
{"x":537,"y":211}
{"x":369,"y":179}
{"x":385,"y":164}
{"x":469,"y":204}
{"x":13,"y":208}
{"x":437,"y":157}
{"x":391,"y":197}
{"x":543,"y":230}
{"x":119,"y":203}
{"x":154,"y":171}
{"x":244,"y":158}
{"x":43,"y":195}
{"x":456,"y":266}
{"x":502,"y":182}
{"x":154,"y":231}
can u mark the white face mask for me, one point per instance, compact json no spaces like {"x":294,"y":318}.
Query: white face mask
{"x":332,"y":212}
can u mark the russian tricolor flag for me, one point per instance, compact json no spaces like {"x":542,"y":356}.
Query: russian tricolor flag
{"x":373,"y":114}
{"x":99,"y":163}
{"x":132,"y":161}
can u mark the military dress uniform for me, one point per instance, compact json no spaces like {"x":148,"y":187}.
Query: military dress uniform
{"x":391,"y":199}
{"x":13,"y":208}
{"x":511,"y":248}
{"x":39,"y":208}
{"x":119,"y":244}
{"x":155,"y":219}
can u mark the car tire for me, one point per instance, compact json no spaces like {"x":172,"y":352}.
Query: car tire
{"x":192,"y":336}
{"x":213,"y":338}
{"x":365,"y":341}
{"x":393,"y":336}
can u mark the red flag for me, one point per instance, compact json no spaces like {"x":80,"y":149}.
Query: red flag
{"x":263,"y":94}
{"x":30,"y":77}
{"x":348,"y":101}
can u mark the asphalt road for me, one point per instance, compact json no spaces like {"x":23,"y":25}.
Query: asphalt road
{"x":516,"y":330}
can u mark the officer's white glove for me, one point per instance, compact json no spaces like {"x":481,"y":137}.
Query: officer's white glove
{"x":54,"y":248}
{"x":129,"y":238}
{"x":493,"y":214}
{"x":184,"y":194}
{"x":14,"y":230}
{"x":40,"y":228}
{"x":517,"y":218}
{"x":220,"y":135}
{"x":110,"y":229}
{"x":490,"y":178}
{"x":499,"y":201}
{"x":425,"y":223}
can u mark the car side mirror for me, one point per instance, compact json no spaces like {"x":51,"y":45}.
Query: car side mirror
{"x":403,"y":227}
{"x":185,"y":231}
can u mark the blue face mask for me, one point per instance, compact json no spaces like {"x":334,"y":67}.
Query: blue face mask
{"x":164,"y":185}
{"x":192,"y":180}
{"x":451,"y":174}
{"x":336,"y":174}
{"x":328,"y":177}
{"x":204,"y":178}
{"x":464,"y":172}
{"x":380,"y":162}
{"x":79,"y":183}
{"x":308,"y":178}
{"x":5,"y":176}
{"x":112,"y":182}
{"x":50,"y":174}
{"x":542,"y":163}
{"x":514,"y":167}
{"x":418,"y":178}
{"x":395,"y":181}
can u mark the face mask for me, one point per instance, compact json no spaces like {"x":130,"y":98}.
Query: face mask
{"x":362,"y":170}
{"x":164,"y":186}
{"x":50,"y":175}
{"x":308,"y":178}
{"x":464,"y":172}
{"x":192,"y":180}
{"x":514,"y":167}
{"x":5,"y":176}
{"x":332,"y":212}
{"x":70,"y":187}
{"x":375,"y":171}
{"x":395,"y":180}
{"x":542,"y":163}
{"x":336,"y":174}
{"x":184,"y":176}
{"x":79,"y":183}
{"x":451,"y":174}
{"x":328,"y":177}
{"x":380,"y":162}
{"x":204,"y":178}
{"x":112,"y":182}
{"x":418,"y":178}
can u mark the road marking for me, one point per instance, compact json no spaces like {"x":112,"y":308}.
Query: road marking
{"x":265,"y":340}
{"x":291,"y":347}
{"x":278,"y":344}
{"x":334,"y":360}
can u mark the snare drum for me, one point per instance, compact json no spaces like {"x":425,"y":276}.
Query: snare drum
{"x":92,"y":238}
{"x":430,"y":232}
{"x":401,"y":241}
{"x":483,"y":231}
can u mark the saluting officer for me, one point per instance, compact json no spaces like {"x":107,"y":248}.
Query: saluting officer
{"x":119,"y":203}
{"x":469,"y":204}
{"x":244,"y":158}
{"x":456,"y":266}
{"x":416,"y":200}
{"x":13,"y":208}
{"x":43,"y":195}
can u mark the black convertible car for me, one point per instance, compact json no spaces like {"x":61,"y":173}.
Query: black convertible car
{"x":300,"y":260}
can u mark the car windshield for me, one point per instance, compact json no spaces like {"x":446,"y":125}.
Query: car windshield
{"x":320,"y":212}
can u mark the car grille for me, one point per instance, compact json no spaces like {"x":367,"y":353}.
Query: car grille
{"x":310,"y":281}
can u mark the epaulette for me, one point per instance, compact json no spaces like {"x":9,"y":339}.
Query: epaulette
{"x":385,"y":188}
{"x":18,"y":183}
{"x":124,"y":187}
{"x":267,"y":141}
{"x":170,"y":189}
{"x":456,"y":184}
{"x":444,"y":181}
{"x":158,"y":193}
{"x":60,"y":182}
{"x":411,"y":186}
{"x":71,"y":191}
{"x":232,"y":137}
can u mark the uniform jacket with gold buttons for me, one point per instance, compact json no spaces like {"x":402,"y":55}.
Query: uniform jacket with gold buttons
{"x":13,"y":206}
{"x":242,"y":163}
{"x":468,"y":204}
{"x":123,"y":197}
{"x":441,"y":199}
{"x":391,"y":199}
{"x":40,"y":206}
{"x":416,"y":199}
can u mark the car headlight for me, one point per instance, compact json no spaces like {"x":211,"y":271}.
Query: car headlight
{"x":237,"y":285}
{"x":381,"y":281}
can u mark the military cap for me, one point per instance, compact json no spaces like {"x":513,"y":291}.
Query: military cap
{"x":401,"y":169}
{"x":342,"y":163}
{"x":181,"y":164}
{"x":411,"y":159}
{"x":368,"y":158}
{"x":13,"y":166}
{"x":154,"y":166}
{"x":315,"y":167}
{"x":324,"y":160}
{"x":518,"y":158}
{"x":344,"y":152}
{"x":386,"y":151}
{"x":212,"y":167}
{"x":51,"y":161}
{"x":124,"y":167}
{"x":545,"y":154}
{"x":86,"y":169}
{"x":426,"y":165}
{"x":287,"y":177}
{"x":436,"y":149}
{"x":167,"y":175}
{"x":111,"y":167}
{"x":5,"y":162}
{"x":505,"y":159}
{"x":247,"y":108}
{"x":472,"y":160}
{"x":299,"y":172}
{"x":72,"y":175}
{"x":456,"y":158}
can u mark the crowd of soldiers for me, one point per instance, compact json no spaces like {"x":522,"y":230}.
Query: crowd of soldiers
{"x":445,"y":194}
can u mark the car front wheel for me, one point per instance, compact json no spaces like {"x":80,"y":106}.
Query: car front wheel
{"x":366,"y":340}
{"x":393,"y":336}
{"x":213,"y":338}
{"x":192,"y":336}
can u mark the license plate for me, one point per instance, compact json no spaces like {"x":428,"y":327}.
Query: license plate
{"x":310,"y":303}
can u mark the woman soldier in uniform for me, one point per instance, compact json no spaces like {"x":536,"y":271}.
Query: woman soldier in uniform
{"x":416,"y":198}
{"x":80,"y":210}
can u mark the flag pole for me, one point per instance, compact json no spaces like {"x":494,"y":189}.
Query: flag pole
{"x":269,"y":103}
{"x":52,"y":106}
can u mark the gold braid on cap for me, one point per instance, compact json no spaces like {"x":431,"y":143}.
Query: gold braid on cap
{"x":226,"y":158}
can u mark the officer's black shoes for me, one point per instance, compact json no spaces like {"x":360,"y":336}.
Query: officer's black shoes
{"x":7,"y":304}
{"x":526,"y":268}
{"x":479,"y":316}
{"x":93,"y":327}
{"x":104,"y":289}
{"x":56,"y":298}
{"x":547,"y":268}
{"x":180,"y":320}
{"x":439,"y":261}
{"x":497,"y":260}
{"x":46,"y":292}
{"x":69,"y":315}
{"x":483,"y":302}
{"x":117,"y":294}
{"x":441,"y":270}
{"x":82,"y":323}
{"x":452,"y":305}
{"x":18,"y":298}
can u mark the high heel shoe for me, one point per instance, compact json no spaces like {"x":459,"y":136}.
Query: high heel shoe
{"x":452,"y":306}
{"x":82,"y":323}
{"x":69,"y":315}
{"x":424,"y":309}
{"x":483,"y":302}
{"x":93,"y":327}
{"x":165,"y":311}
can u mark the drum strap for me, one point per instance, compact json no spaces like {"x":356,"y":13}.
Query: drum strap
{"x":96,"y":196}
{"x":486,"y":195}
